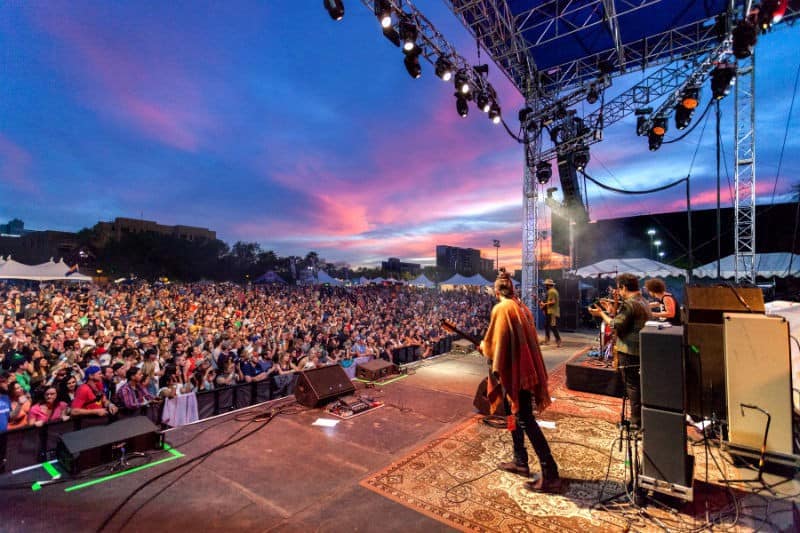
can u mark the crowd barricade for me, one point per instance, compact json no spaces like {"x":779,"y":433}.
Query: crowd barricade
{"x":30,"y":445}
{"x":408,"y":354}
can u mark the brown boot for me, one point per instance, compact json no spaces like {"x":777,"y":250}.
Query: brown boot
{"x":514,"y":468}
{"x":548,"y":485}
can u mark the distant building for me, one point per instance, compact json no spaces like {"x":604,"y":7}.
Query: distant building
{"x":14,"y":228}
{"x":464,"y":261}
{"x":35,"y":247}
{"x":122,"y":226}
{"x":395,"y":265}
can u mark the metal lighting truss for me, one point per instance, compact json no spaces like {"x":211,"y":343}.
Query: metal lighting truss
{"x":530,"y":233}
{"x":745,"y":177}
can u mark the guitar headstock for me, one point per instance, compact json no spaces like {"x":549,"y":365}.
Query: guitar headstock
{"x":446,"y":325}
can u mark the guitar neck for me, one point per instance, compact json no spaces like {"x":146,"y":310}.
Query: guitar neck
{"x":464,"y":335}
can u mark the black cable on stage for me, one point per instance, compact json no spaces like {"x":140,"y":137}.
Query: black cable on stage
{"x":692,"y":127}
{"x":625,"y":191}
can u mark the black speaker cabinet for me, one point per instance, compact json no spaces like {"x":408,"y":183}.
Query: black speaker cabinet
{"x":705,"y":370}
{"x":321,"y":385}
{"x":662,"y":368}
{"x":375,"y":370}
{"x":97,"y":445}
{"x":664,"y":447}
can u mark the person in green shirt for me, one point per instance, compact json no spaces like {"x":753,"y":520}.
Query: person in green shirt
{"x":552,"y":311}
{"x":22,"y":371}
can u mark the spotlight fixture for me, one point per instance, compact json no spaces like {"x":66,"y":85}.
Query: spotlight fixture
{"x":766,"y":14}
{"x":593,"y":94}
{"x":408,"y":33}
{"x":641,"y":125}
{"x":686,"y":106}
{"x":683,"y":117}
{"x":383,"y":10}
{"x":484,"y":104}
{"x":335,"y":8}
{"x":543,"y":172}
{"x":656,"y":135}
{"x":411,"y":62}
{"x":722,"y":78}
{"x":444,"y":69}
{"x":461,"y":105}
{"x":391,"y":34}
{"x":462,"y":82}
{"x":744,"y":39}
{"x":690,"y":97}
{"x":580,"y":158}
{"x":494,"y":113}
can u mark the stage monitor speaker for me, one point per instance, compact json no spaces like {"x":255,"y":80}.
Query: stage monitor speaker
{"x":758,"y":374}
{"x":664,"y":447}
{"x":375,"y":370}
{"x":97,"y":445}
{"x":706,"y":304}
{"x":662,"y":368}
{"x":321,"y":385}
{"x":481,"y":402}
{"x":570,"y":315}
{"x":705,"y":371}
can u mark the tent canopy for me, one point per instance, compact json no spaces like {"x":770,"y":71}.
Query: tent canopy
{"x":639,"y":267}
{"x":768,"y":265}
{"x":269,"y":277}
{"x":50,"y":271}
{"x":474,"y":281}
{"x":323,"y":278}
{"x":422,"y":281}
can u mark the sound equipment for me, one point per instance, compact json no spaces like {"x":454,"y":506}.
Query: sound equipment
{"x":321,"y":385}
{"x":758,"y":375}
{"x":666,"y":466}
{"x":707,"y":304}
{"x":481,"y":402}
{"x":97,"y":445}
{"x":662,"y":368}
{"x":375,"y":370}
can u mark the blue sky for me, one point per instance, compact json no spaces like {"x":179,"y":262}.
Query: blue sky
{"x":269,"y":122}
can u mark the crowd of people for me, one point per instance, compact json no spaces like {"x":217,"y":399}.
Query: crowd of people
{"x":71,"y":350}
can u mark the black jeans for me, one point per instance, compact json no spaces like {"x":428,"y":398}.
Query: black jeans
{"x":551,"y":324}
{"x":526,"y":425}
{"x":629,"y":366}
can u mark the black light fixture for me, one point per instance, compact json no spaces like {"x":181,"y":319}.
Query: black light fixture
{"x":641,"y":119}
{"x":656,"y":134}
{"x":543,"y":172}
{"x":494,"y":113}
{"x":462,"y":82}
{"x":391,"y":34}
{"x":483,"y":101}
{"x":687,"y":103}
{"x":383,"y":10}
{"x":593,"y":95}
{"x":722,"y":77}
{"x":408,"y":33}
{"x":683,"y":117}
{"x":461,"y":105}
{"x":335,"y":8}
{"x":411,"y":62}
{"x":744,"y":39}
{"x":766,"y":14}
{"x":580,"y":158}
{"x":444,"y":69}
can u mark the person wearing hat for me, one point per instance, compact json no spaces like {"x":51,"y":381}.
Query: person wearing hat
{"x":89,"y":398}
{"x":552,"y":311}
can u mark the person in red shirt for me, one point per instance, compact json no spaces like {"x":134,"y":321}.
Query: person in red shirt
{"x":89,"y":398}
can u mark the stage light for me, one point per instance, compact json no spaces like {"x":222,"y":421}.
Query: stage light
{"x":656,"y":135}
{"x":444,"y":69}
{"x":580,"y":158}
{"x":641,"y":125}
{"x":683,"y":117}
{"x":462,"y":81}
{"x":593,"y":95}
{"x":461,"y":105}
{"x":766,"y":14}
{"x":494,"y":113}
{"x":484,"y":104}
{"x":544,"y":171}
{"x":391,"y":34}
{"x":335,"y":8}
{"x":411,"y":62}
{"x":383,"y":10}
{"x":561,"y":112}
{"x":722,"y":78}
{"x":690,"y":97}
{"x":744,"y":39}
{"x":408,"y":33}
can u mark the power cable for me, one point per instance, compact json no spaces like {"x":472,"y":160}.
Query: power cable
{"x":692,"y":127}
{"x":785,"y":134}
{"x":626,"y":191}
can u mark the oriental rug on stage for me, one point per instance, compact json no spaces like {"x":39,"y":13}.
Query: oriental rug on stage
{"x":454,"y":478}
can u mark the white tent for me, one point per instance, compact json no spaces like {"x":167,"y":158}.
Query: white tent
{"x":323,"y":277}
{"x":639,"y":267}
{"x":422,"y":281}
{"x":473,"y":281}
{"x":767,"y":265}
{"x":50,"y":271}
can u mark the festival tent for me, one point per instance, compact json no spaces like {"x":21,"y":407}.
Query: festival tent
{"x":324,"y":278}
{"x":376,"y":280}
{"x":473,"y":281}
{"x":422,"y":281}
{"x":269,"y":277}
{"x":639,"y":267}
{"x":768,"y":265}
{"x":50,"y":271}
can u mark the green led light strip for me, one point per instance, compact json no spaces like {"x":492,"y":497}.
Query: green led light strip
{"x":174,"y":454}
{"x":398,"y":378}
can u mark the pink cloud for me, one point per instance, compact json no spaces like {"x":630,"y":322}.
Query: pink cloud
{"x":14,"y":164}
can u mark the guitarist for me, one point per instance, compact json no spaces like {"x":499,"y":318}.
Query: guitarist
{"x":628,"y":322}
{"x":512,"y":345}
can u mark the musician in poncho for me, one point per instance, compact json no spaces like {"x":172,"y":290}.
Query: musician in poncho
{"x":512,"y":345}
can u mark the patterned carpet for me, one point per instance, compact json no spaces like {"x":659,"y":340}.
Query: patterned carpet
{"x":453,"y":479}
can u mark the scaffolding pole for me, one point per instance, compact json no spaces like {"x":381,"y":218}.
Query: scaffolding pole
{"x":745,"y":168}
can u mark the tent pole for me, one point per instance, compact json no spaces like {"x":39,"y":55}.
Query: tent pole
{"x":689,"y":223}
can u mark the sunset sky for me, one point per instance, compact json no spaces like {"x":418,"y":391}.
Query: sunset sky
{"x":269,"y":122}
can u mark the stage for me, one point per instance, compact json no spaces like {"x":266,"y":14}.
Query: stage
{"x":288,"y":475}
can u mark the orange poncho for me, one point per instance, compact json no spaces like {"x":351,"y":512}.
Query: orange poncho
{"x":512,"y":344}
